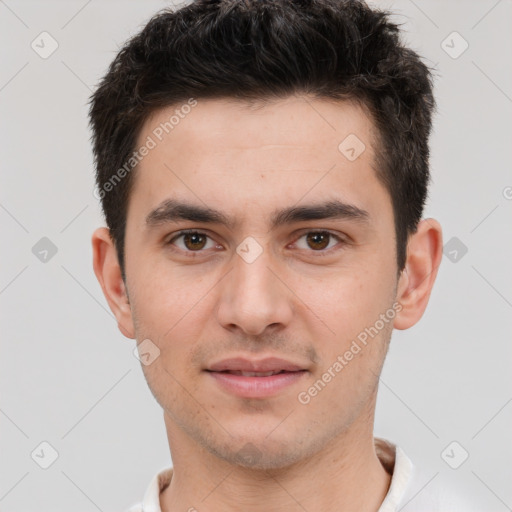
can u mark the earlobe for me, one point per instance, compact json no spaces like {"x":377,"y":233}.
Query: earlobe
{"x":424,"y":254}
{"x":108,"y":272}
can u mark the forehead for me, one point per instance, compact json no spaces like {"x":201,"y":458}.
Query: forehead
{"x":297,"y":121}
{"x":230,"y":153}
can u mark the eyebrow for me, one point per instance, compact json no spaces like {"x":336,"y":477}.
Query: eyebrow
{"x":172,"y":210}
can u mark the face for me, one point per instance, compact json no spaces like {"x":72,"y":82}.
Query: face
{"x":288,"y":253}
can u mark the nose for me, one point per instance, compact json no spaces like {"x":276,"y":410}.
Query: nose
{"x":253,"y":298}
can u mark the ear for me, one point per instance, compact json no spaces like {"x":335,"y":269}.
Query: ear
{"x":108,"y":273}
{"x":424,"y":254}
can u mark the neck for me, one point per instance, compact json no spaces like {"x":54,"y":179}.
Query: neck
{"x":345,"y":475}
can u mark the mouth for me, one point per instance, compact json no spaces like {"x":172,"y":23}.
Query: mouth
{"x":247,"y":378}
{"x":253,"y":374}
{"x":244,"y":364}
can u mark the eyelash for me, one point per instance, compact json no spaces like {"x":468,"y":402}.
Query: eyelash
{"x":319,"y":253}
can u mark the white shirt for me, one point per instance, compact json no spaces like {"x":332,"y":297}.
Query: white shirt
{"x":410,"y":490}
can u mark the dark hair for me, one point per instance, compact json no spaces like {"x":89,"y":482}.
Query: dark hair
{"x":264,"y":49}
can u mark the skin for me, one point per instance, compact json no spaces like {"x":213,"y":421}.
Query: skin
{"x":207,"y":304}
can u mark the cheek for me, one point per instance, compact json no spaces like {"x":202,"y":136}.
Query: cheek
{"x":351,"y":306}
{"x":347,"y":299}
{"x":165,"y":297}
{"x":173,"y":325}
{"x":172,"y":308}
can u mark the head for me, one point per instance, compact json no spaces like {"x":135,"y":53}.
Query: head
{"x":291,"y":140}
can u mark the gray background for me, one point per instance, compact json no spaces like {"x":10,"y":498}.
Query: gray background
{"x":68,"y":377}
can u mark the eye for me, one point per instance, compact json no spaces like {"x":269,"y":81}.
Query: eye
{"x":318,"y":241}
{"x":192,"y":241}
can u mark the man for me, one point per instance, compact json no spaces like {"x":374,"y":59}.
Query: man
{"x":263,"y":167}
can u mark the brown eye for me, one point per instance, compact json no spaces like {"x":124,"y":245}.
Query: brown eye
{"x":194,"y":241}
{"x":318,"y":240}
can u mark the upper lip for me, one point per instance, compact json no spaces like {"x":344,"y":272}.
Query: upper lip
{"x":269,"y":364}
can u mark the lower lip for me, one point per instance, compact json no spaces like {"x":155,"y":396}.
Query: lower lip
{"x":256,"y":387}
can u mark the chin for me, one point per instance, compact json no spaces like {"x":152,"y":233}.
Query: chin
{"x":259,"y":454}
